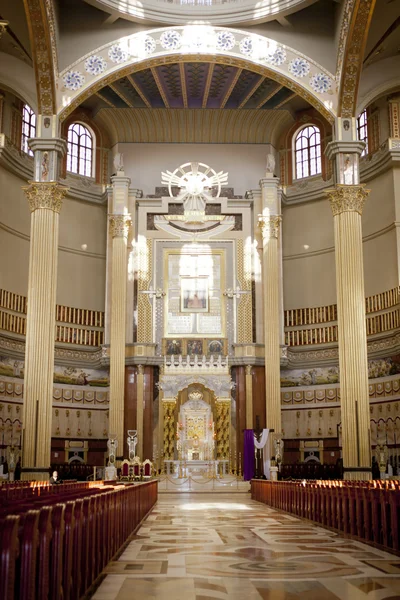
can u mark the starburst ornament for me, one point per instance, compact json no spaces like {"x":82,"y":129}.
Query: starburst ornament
{"x":198,"y":183}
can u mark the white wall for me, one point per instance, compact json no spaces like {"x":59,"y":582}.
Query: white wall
{"x":245,"y":163}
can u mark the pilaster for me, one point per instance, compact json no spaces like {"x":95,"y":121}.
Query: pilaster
{"x":139,"y":414}
{"x":249,"y":397}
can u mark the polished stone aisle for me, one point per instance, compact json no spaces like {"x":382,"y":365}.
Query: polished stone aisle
{"x":203,"y":546}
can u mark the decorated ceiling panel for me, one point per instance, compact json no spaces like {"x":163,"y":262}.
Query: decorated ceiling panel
{"x":194,"y":85}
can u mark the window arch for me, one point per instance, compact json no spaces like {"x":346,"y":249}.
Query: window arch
{"x":307,"y":152}
{"x":362,"y":130}
{"x":28,"y":128}
{"x":80,"y":150}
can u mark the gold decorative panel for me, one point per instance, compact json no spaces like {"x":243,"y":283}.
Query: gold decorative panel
{"x":144,"y":260}
{"x":245,"y":313}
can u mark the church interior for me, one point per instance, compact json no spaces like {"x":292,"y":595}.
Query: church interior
{"x":200,"y":299}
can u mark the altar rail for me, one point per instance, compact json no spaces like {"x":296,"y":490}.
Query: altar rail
{"x":55,"y":543}
{"x":366,"y":510}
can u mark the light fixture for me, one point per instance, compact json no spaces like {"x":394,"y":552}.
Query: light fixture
{"x":306,"y":246}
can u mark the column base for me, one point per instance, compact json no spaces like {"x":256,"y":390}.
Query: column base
{"x":274,"y":473}
{"x":357,"y":474}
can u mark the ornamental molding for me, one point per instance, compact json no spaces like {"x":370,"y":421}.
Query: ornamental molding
{"x":347,"y":198}
{"x":270,"y":226}
{"x":176,"y":376}
{"x":197,"y":43}
{"x":40,"y":18}
{"x":47,"y":195}
{"x":353,"y":38}
{"x":119,"y":225}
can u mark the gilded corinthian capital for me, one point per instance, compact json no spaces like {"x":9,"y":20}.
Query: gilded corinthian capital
{"x":347,"y":198}
{"x":48,"y":195}
{"x":270,"y":226}
{"x":119,"y":225}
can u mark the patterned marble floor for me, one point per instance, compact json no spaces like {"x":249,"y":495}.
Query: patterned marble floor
{"x":228,"y":547}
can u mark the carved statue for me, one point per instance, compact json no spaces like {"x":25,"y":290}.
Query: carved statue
{"x":270,"y":166}
{"x":45,"y":166}
{"x":119,"y":162}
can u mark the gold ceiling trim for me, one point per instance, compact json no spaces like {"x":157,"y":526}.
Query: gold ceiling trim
{"x":240,"y":63}
{"x":353,"y":49}
{"x":40,"y":18}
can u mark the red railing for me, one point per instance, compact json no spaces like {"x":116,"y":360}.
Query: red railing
{"x":55,"y":540}
{"x":366,"y":510}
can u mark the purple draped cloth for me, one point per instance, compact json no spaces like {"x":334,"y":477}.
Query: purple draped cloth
{"x":248,"y":455}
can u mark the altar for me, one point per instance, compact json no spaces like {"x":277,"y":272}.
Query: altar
{"x":195,"y":432}
{"x":202,"y":468}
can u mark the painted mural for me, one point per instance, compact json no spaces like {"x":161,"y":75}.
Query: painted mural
{"x":380,"y":367}
{"x":10,"y":367}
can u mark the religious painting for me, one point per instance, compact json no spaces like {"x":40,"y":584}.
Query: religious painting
{"x":172,"y":347}
{"x":194,"y":347}
{"x":216,"y":346}
{"x":194,"y":294}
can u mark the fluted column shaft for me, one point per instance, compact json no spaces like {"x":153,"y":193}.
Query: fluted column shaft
{"x":119,"y":227}
{"x":271,"y":284}
{"x":139,"y":414}
{"x":45,"y":200}
{"x":249,"y":397}
{"x":347,"y":203}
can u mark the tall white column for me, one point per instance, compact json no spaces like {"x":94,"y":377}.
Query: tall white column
{"x":347,"y":201}
{"x":119,"y":223}
{"x":45,"y":196}
{"x":270,"y":222}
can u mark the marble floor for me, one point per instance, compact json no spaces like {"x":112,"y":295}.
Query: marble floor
{"x":220,"y":546}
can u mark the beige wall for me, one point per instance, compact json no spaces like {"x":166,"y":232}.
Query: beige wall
{"x":308,"y":274}
{"x":380,"y":264}
{"x":14,"y":234}
{"x":245,"y":163}
{"x":81,"y":274}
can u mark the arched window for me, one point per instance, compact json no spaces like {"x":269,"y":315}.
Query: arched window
{"x":362,"y":130}
{"x":28,"y":128}
{"x":307,"y":152}
{"x":80,"y":150}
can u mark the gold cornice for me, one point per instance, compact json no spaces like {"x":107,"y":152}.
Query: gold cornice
{"x":151,"y":63}
{"x":347,"y":198}
{"x":46,"y":195}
